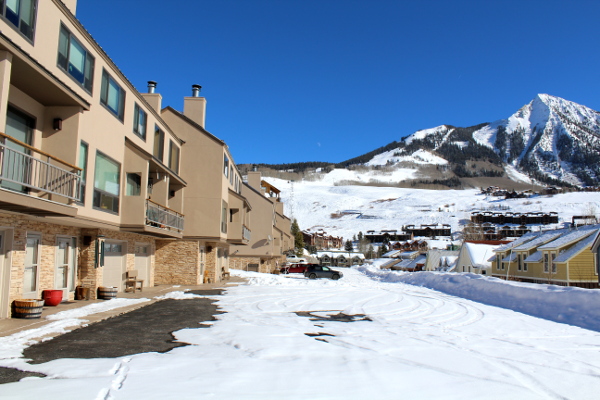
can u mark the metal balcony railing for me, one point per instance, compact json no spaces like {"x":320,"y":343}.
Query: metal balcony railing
{"x":159,"y":216}
{"x":246,"y":233}
{"x":20,"y":170}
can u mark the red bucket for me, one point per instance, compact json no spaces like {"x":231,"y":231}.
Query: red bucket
{"x":52,"y":297}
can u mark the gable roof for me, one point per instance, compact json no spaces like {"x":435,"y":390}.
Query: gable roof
{"x":567,"y":255}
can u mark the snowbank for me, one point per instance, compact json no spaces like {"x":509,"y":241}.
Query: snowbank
{"x":569,"y":305}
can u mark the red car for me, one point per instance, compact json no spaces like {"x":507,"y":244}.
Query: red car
{"x":295,"y":268}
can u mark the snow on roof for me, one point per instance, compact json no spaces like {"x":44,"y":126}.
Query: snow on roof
{"x":337,"y":254}
{"x":525,"y":238}
{"x":571,"y":237}
{"x":391,"y":254}
{"x":573,"y":251}
{"x":534,"y":258}
{"x":510,"y":258}
{"x":479,"y":253}
{"x":541,"y":239}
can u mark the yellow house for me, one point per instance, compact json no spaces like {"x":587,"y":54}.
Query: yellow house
{"x":561,"y":257}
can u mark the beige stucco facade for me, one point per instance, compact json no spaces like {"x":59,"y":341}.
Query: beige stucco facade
{"x":271,"y":229}
{"x":98,"y":179}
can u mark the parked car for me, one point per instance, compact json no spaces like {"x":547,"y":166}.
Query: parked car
{"x":298,"y":268}
{"x":315,"y":271}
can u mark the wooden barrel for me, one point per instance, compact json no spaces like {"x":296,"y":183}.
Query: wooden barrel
{"x":107,"y":293}
{"x":26,"y":308}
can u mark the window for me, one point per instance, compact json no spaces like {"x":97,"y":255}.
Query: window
{"x":159,"y":143}
{"x":519,"y":262}
{"x":106,"y":183}
{"x":546,"y":269}
{"x":75,"y":59}
{"x":112,"y":95}
{"x":21,"y":13}
{"x":139,"y":121}
{"x":134,"y":184}
{"x":83,"y":160}
{"x":224,"y":217}
{"x":173,"y":157}
{"x":32,"y":263}
{"x":552,"y":257}
{"x":226,"y":166}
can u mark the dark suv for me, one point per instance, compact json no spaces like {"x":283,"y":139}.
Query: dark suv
{"x":319,"y":271}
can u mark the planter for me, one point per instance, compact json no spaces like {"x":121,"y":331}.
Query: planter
{"x":107,"y":293}
{"x":26,"y":308}
{"x":52,"y":297}
{"x":82,"y":293}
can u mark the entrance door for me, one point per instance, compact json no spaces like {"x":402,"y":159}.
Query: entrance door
{"x":65,"y":265}
{"x":114,"y":266}
{"x":32,"y":264}
{"x":16,"y":166}
{"x":142,"y":262}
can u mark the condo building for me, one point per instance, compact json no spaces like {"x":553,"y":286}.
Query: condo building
{"x":97,"y":179}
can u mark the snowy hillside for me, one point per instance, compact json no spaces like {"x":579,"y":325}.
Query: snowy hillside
{"x":320,"y":204}
{"x":549,"y":140}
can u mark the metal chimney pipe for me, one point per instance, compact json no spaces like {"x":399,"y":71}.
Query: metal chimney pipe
{"x":151,"y":86}
{"x":196,"y":90}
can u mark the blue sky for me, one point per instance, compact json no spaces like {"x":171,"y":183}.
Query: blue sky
{"x":327,"y":80}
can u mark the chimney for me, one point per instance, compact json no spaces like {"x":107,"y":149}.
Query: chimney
{"x":195,"y":107}
{"x":154,"y":99}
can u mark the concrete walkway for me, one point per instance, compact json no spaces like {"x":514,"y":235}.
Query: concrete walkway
{"x":10,"y":326}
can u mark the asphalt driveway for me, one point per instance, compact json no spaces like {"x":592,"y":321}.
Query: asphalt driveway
{"x":146,"y":329}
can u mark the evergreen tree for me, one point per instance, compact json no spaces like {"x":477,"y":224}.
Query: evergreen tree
{"x":298,"y":238}
{"x":349,"y":246}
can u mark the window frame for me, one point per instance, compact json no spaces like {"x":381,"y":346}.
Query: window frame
{"x":103,"y":193}
{"x":174,"y":151}
{"x":106,"y":95}
{"x":159,"y":152}
{"x":17,"y":27}
{"x":131,"y":189}
{"x":137,"y":112}
{"x":89,"y":60}
{"x":84,"y":169}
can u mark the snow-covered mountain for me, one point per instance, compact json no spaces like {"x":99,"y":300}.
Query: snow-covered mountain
{"x":550,"y":140}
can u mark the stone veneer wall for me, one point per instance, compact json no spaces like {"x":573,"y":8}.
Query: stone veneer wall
{"x":87,"y":275}
{"x":269,"y":265}
{"x":15,"y":254}
{"x":177,"y":262}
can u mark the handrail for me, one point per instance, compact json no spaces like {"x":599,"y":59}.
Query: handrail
{"x":29,"y":147}
{"x":165,"y":207}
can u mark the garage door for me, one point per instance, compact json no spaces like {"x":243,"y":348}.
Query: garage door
{"x":114,"y":265}
{"x":142,"y":262}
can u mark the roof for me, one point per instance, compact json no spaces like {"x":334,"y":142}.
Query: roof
{"x":534,"y":258}
{"x":541,"y":239}
{"x":570,"y":237}
{"x":573,"y":251}
{"x":525,"y":238}
{"x":510,"y":258}
{"x":479,"y":253}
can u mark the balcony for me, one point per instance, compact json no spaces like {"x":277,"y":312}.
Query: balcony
{"x":238,"y":233}
{"x":161,"y":217}
{"x":33,"y":185}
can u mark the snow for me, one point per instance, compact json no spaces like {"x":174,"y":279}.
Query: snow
{"x":313,"y":202}
{"x":413,"y":342}
{"x":418,"y":157}
{"x":480,"y":254}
